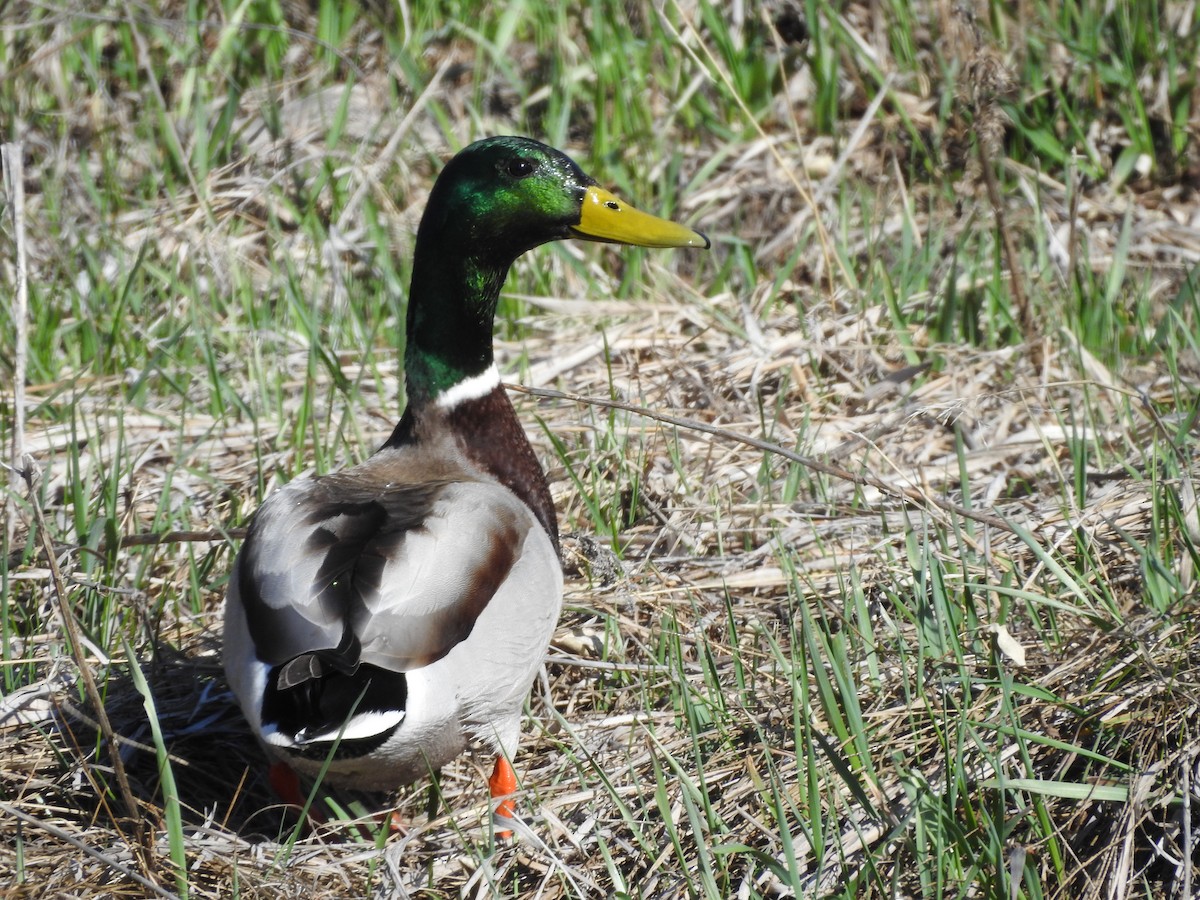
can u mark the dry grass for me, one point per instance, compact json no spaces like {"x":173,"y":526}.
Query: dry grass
{"x":682,"y":720}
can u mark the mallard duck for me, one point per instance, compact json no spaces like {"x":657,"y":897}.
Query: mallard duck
{"x":381,"y":619}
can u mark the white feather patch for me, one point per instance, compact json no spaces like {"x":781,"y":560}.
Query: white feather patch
{"x":272,"y":736}
{"x":364,"y":725}
{"x":470,"y":388}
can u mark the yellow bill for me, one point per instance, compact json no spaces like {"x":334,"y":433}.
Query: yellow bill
{"x":605,"y":218}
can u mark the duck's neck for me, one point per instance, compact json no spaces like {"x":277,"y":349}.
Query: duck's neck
{"x":451,"y":377}
{"x":451,"y":307}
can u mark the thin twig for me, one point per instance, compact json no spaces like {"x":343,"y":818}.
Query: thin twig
{"x":904,"y":494}
{"x":150,"y":538}
{"x":1015,"y":277}
{"x":1186,"y":761}
{"x":142,"y":539}
{"x":85,"y":672}
{"x":14,"y":187}
{"x":88,"y":849}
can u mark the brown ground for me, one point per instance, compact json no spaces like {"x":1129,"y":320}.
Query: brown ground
{"x":726,"y":567}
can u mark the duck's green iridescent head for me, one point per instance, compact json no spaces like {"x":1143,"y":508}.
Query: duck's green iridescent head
{"x":505,"y":195}
{"x":496,"y":199}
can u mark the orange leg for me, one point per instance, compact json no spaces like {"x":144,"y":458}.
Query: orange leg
{"x":503,"y":783}
{"x":286,"y":785}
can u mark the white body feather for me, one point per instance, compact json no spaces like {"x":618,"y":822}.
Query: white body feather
{"x":475,"y":691}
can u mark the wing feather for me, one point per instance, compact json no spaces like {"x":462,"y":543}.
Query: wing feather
{"x":397,"y":575}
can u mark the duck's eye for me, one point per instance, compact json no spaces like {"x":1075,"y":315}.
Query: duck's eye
{"x":519,"y":167}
